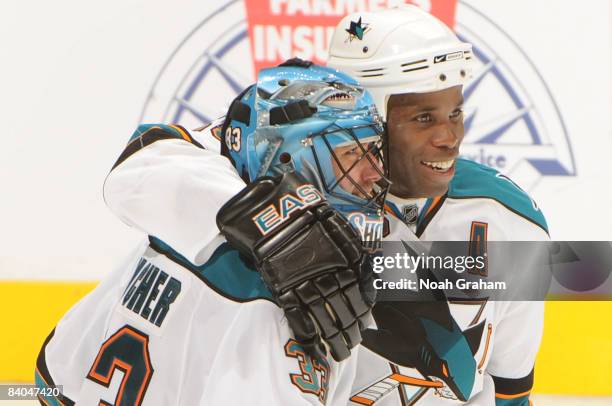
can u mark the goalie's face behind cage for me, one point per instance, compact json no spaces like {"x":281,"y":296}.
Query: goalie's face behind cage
{"x":355,"y":174}
{"x":348,"y":163}
{"x":320,"y":123}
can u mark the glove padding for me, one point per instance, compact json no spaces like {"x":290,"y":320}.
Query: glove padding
{"x":311,"y":259}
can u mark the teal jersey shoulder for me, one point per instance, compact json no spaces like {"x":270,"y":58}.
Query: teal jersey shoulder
{"x":225,"y":272}
{"x":171,"y":131}
{"x":473,"y":180}
{"x":147,"y":134}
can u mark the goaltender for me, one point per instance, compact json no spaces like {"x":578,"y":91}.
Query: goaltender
{"x":165,"y":330}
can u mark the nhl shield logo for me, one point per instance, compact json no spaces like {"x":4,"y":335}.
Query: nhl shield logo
{"x":410,"y":213}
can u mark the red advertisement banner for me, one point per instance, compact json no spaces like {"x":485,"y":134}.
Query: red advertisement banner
{"x":282,"y":29}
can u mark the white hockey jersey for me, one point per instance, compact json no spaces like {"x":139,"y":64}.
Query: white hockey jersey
{"x":481,"y":205}
{"x":162,"y":183}
{"x":162,"y":331}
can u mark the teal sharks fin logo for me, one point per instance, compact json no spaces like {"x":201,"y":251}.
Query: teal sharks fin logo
{"x":424,"y":335}
{"x":357,"y":30}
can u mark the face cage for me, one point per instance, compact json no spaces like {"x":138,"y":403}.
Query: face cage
{"x":376,"y":198}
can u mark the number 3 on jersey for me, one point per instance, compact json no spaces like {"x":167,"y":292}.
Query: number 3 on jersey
{"x":127,"y":350}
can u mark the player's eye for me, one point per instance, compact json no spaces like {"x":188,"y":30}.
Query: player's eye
{"x":353,"y":151}
{"x":423,"y":118}
{"x":457,"y":113}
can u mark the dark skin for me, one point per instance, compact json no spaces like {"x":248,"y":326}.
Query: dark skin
{"x":425,"y":131}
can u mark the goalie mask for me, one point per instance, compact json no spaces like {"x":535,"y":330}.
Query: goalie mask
{"x":321,"y":124}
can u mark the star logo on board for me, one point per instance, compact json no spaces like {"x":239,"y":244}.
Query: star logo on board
{"x":357,"y":30}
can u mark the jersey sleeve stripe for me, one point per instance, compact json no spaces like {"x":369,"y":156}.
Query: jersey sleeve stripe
{"x":186,"y":136}
{"x":43,"y":378}
{"x":147,"y":134}
{"x":48,"y":400}
{"x":518,"y":395}
{"x":520,"y":401}
{"x":182,"y":132}
{"x":43,"y":401}
{"x":507,"y":388}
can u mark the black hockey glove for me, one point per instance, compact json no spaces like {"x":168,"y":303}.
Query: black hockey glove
{"x":308,"y":255}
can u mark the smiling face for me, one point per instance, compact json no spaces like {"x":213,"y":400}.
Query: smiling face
{"x":425,"y":131}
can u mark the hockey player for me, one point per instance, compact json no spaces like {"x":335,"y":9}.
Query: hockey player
{"x":415,"y":67}
{"x":167,"y":330}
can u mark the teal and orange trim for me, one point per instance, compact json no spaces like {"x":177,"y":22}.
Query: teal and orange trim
{"x":428,"y":212}
{"x":147,"y":134}
{"x":42,"y":379}
{"x":513,"y":392}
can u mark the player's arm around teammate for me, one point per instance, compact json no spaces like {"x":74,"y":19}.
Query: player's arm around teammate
{"x":170,"y":183}
{"x":165,"y":330}
{"x":421,"y":167}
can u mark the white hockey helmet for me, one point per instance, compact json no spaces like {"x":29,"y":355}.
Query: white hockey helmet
{"x":399,"y":50}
